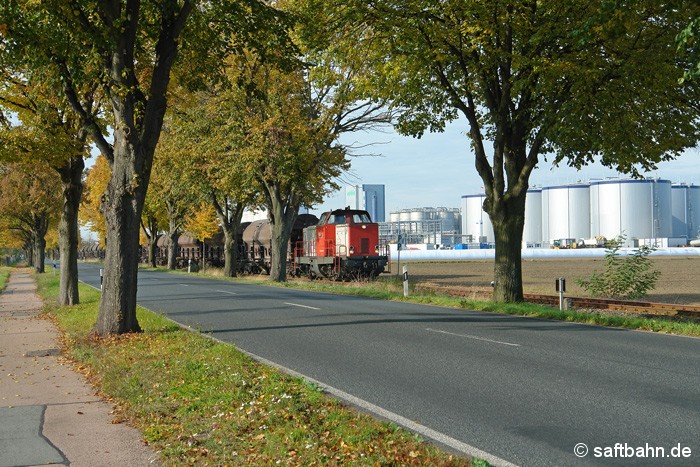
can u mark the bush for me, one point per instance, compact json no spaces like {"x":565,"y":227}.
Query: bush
{"x":630,"y":277}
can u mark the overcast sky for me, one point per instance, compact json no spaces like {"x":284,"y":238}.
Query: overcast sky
{"x":438,"y":169}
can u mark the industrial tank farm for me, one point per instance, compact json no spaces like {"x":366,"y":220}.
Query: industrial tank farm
{"x":693,"y":211}
{"x":635,"y":208}
{"x":532,"y":232}
{"x":566,"y":211}
{"x":644,"y":211}
{"x":685,"y":202}
{"x":680,"y":210}
{"x":475,"y":222}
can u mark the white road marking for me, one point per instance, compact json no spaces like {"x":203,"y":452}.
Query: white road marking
{"x":302,"y":306}
{"x":474,"y":337}
{"x":226,"y":291}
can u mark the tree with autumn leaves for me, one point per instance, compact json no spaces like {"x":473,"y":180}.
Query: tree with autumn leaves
{"x":197,"y":144}
{"x":266,"y":136}
{"x":30,"y":200}
{"x":128,"y":49}
{"x":572,"y":82}
{"x":37,"y":126}
{"x":567,"y":81}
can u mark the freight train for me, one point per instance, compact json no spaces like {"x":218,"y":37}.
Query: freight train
{"x":343,"y":244}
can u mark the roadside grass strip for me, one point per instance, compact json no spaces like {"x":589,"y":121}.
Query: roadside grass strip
{"x":198,"y":401}
{"x":4,"y":275}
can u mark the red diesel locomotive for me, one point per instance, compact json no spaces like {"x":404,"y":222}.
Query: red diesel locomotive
{"x":343,"y":245}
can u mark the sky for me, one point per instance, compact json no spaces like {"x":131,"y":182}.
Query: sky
{"x":438,"y":169}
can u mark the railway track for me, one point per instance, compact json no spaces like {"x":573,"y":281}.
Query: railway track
{"x":669,"y":310}
{"x":627,"y":306}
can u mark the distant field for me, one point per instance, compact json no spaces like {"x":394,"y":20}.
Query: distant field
{"x":679,"y":281}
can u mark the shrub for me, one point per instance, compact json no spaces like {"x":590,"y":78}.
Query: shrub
{"x":630,"y":277}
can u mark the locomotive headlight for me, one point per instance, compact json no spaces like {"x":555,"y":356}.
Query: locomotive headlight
{"x":376,"y":249}
{"x":364,"y":226}
{"x":352,"y":250}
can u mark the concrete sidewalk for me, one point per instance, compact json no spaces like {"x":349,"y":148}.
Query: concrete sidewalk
{"x":48,"y":413}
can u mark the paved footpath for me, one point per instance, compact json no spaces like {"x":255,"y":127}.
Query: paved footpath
{"x":48,"y":413}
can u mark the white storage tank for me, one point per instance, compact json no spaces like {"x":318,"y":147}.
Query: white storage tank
{"x":635,"y":208}
{"x":475,"y":221}
{"x":532,"y":232}
{"x":449,"y":219}
{"x":693,"y":211}
{"x":566,"y":212}
{"x":680,"y":210}
{"x":442,"y":214}
{"x":394,"y":216}
{"x":457,"y":219}
{"x":420,"y":214}
{"x":405,"y":215}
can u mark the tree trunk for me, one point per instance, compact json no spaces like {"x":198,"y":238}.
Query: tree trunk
{"x":68,"y":232}
{"x":281,"y":222}
{"x":508,"y":219}
{"x":39,"y":253}
{"x":150,"y":231}
{"x":40,"y":224}
{"x":230,"y":252}
{"x":122,"y":204}
{"x":153,"y":249}
{"x":174,"y":226}
{"x":29,"y":253}
{"x":229,"y":215}
{"x":173,"y":238}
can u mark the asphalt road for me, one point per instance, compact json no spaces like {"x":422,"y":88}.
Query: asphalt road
{"x":528,"y":391}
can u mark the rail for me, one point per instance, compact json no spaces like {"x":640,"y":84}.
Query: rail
{"x":629,"y":306}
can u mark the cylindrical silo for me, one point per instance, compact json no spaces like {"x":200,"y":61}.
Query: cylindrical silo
{"x":448,"y":219}
{"x":441,"y":215}
{"x":405,"y":215}
{"x":532,"y":232}
{"x":635,"y":208}
{"x":679,"y":210}
{"x":418,"y":214}
{"x":475,"y":222}
{"x":566,"y":212}
{"x":457,"y":216}
{"x":394,"y":216}
{"x":693,"y":211}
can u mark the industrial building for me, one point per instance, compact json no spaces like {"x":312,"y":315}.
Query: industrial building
{"x":367,"y":197}
{"x":646,"y":211}
{"x":426,"y":226}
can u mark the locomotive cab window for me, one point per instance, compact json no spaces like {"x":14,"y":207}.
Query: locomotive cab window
{"x":360,"y":218}
{"x":345,"y":217}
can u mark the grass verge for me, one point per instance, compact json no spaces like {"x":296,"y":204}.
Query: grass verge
{"x":4,"y":274}
{"x":202,"y":402}
{"x":391,"y":288}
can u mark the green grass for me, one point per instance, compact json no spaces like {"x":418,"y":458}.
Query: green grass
{"x":202,"y":402}
{"x":4,"y":274}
